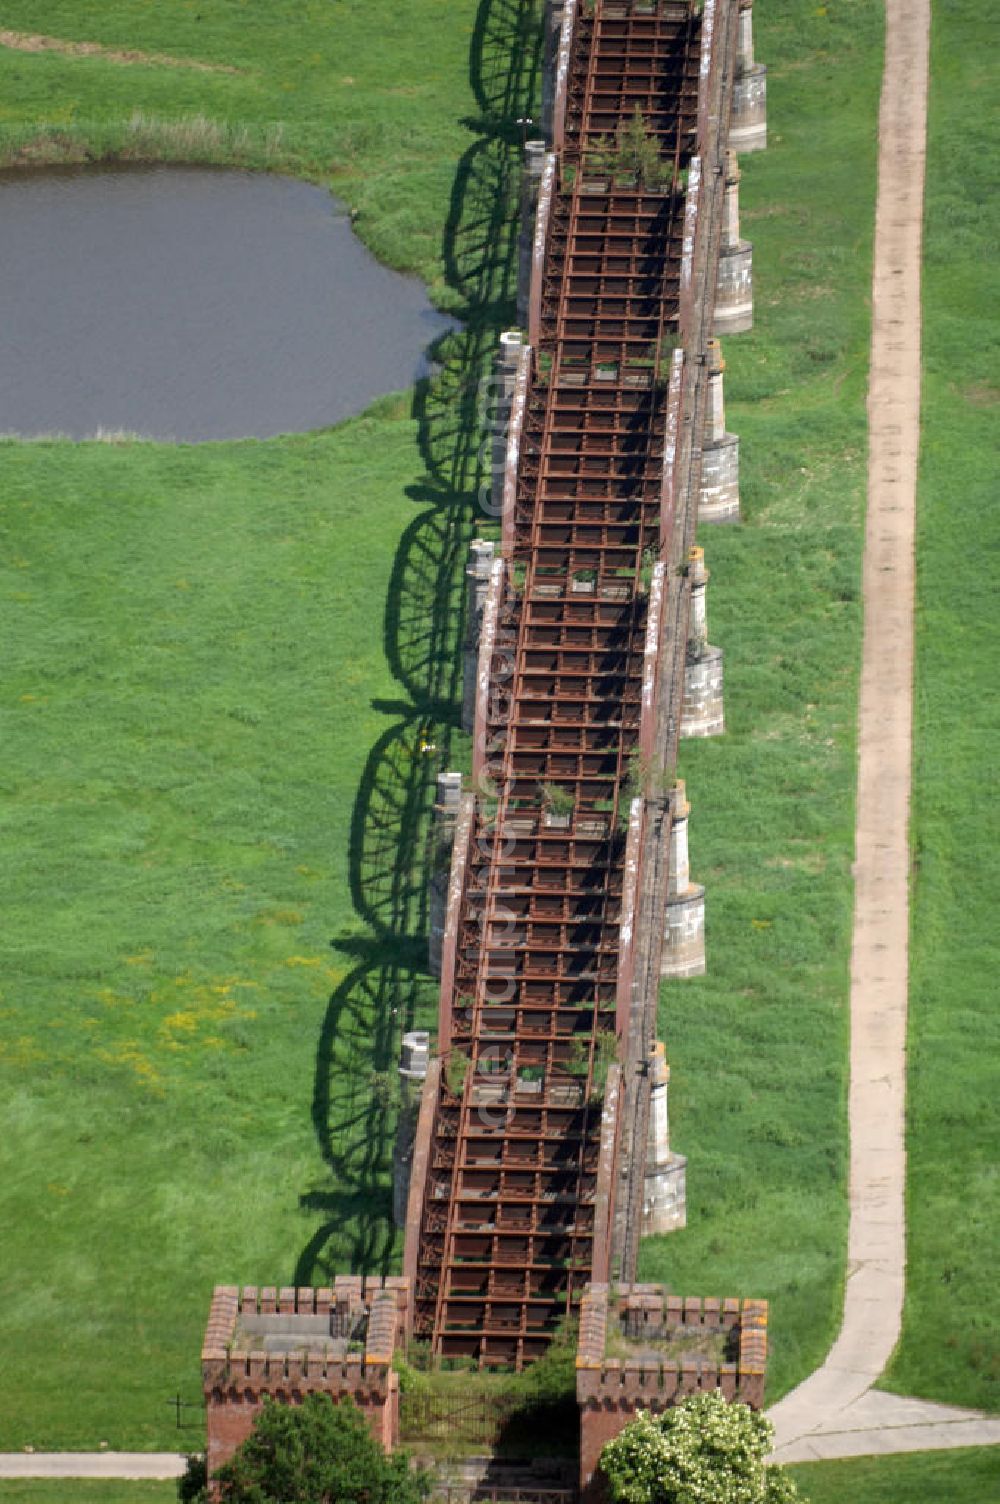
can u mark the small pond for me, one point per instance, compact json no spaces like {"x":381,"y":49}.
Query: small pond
{"x":192,"y":304}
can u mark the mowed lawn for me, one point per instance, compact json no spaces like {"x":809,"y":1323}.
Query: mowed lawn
{"x":758,"y":1047}
{"x":967,"y":1476}
{"x":84,"y":1491}
{"x":951,"y":1327}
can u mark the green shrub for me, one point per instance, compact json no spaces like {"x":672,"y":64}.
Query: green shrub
{"x":455,"y":1071}
{"x":317,"y":1453}
{"x":557,"y":800}
{"x":705,"y":1448}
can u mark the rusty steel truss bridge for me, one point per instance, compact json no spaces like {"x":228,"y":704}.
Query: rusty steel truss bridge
{"x":530,"y":1153}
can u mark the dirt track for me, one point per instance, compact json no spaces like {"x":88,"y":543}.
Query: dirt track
{"x":25,"y":41}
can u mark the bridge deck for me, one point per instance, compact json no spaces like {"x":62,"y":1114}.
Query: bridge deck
{"x":508,"y":1226}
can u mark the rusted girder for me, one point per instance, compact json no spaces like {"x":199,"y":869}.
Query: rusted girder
{"x":523,"y":1124}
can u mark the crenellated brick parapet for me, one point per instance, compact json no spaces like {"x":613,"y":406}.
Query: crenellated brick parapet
{"x":641,"y":1348}
{"x":284,"y":1343}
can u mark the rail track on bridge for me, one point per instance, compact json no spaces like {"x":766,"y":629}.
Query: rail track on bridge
{"x":530,"y":1149}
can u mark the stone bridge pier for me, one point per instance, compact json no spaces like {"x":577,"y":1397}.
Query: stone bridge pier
{"x":748,"y":122}
{"x":719,"y":497}
{"x":702,"y":711}
{"x":734,"y":291}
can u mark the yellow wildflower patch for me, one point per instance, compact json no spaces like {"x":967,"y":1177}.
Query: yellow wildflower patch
{"x":130,"y":1054}
{"x":112,"y":999}
{"x":186,"y":1023}
{"x":280,"y":916}
{"x":21,"y":1051}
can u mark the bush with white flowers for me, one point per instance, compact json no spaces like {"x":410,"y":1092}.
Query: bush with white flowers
{"x":706,"y":1450}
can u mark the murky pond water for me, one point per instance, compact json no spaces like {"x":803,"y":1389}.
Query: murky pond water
{"x":191,"y":304}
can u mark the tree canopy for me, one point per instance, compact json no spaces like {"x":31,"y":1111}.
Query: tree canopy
{"x":317,"y":1453}
{"x":703,"y":1451}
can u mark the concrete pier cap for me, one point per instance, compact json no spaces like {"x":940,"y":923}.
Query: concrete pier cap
{"x":531,"y":180}
{"x":698,"y":578}
{"x":511,"y":341}
{"x":414,"y":1059}
{"x":534,"y":162}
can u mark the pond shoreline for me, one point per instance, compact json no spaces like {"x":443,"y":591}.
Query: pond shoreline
{"x":195,"y":304}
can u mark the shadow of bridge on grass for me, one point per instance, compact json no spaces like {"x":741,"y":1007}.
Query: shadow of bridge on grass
{"x":388,"y":989}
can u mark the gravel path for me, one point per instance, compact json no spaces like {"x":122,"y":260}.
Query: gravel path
{"x":131,"y":1465}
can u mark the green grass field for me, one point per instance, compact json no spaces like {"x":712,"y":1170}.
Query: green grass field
{"x":84,"y":1491}
{"x":243,"y":783}
{"x":224,"y":662}
{"x":968,"y":1476}
{"x":212,"y":771}
{"x":758,"y":1046}
{"x":951,"y":1331}
{"x":370,"y":96}
{"x":231,"y":679}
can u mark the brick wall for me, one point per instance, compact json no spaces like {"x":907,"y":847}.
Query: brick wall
{"x":238,"y":1377}
{"x":610,"y":1390}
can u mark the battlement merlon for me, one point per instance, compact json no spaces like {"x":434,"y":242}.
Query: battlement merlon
{"x":642,"y":1348}
{"x":633,"y":1337}
{"x":335,"y":1339}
